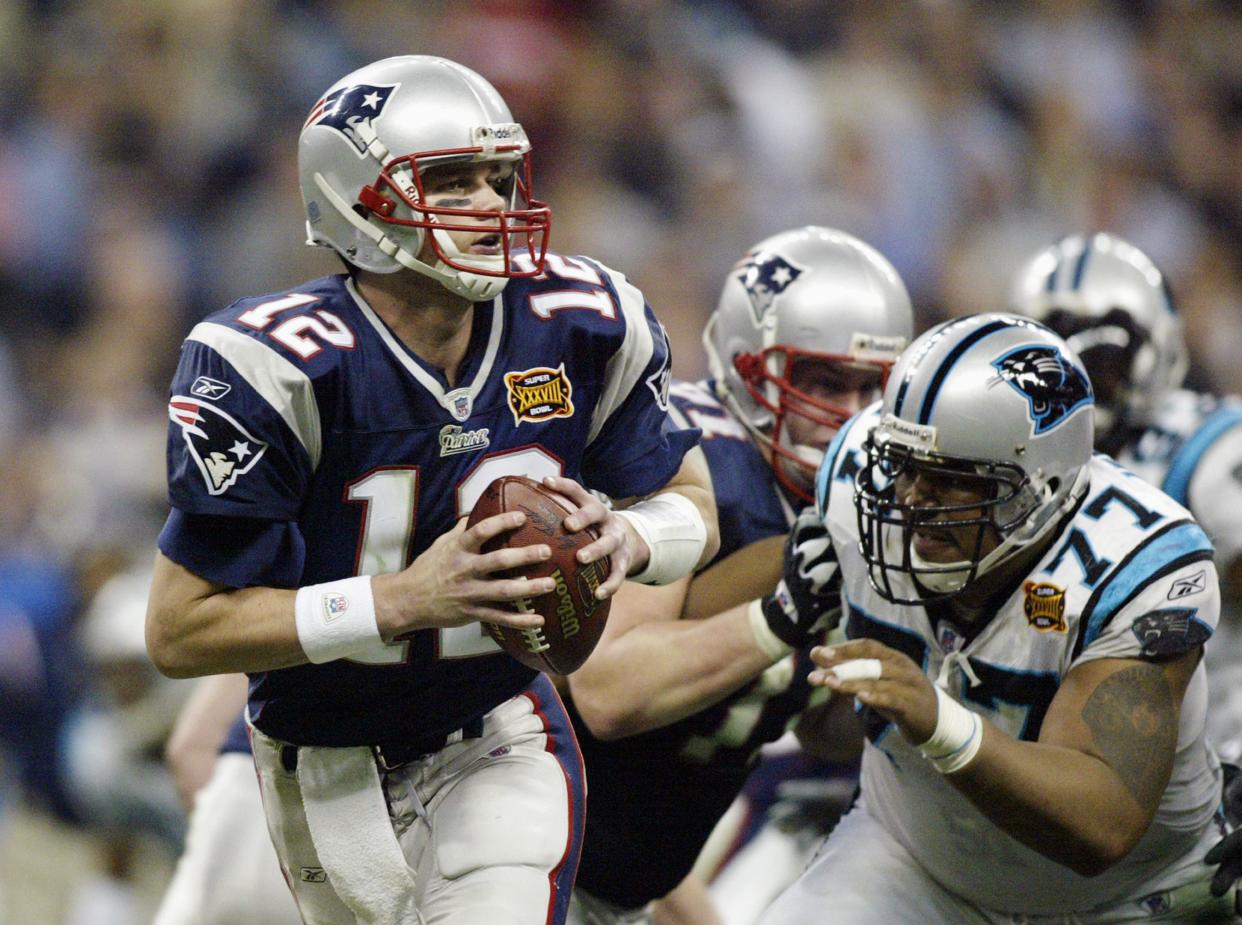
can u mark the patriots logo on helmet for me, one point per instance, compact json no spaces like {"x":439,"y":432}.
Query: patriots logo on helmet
{"x":349,"y":107}
{"x":221,"y":448}
{"x":764,"y":276}
{"x":1053,"y":386}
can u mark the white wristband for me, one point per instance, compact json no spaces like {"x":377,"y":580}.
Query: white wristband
{"x":336,"y":619}
{"x":768,"y":642}
{"x":673,"y":529}
{"x":958,"y":735}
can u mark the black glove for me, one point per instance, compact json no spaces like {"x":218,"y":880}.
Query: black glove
{"x":1228,"y":851}
{"x":807,"y":599}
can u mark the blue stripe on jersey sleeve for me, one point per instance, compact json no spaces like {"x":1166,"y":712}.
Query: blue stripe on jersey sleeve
{"x":1179,"y":543}
{"x":1182,"y":467}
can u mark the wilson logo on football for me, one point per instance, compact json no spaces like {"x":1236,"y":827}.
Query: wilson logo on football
{"x":221,"y":448}
{"x":1045,"y":606}
{"x":539,"y":394}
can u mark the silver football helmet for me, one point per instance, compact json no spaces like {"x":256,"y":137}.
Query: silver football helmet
{"x":361,"y":158}
{"x":1113,"y":306}
{"x":807,"y":295}
{"x":993,"y":412}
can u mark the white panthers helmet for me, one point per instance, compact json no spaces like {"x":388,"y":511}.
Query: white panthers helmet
{"x":361,"y":156}
{"x":994,"y":404}
{"x":806,"y":294}
{"x":1113,"y":306}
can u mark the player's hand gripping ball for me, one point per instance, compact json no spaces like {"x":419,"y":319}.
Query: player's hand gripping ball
{"x":573,"y":619}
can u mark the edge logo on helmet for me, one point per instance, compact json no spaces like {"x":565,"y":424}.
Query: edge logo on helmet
{"x":221,"y":448}
{"x":764,"y":276}
{"x":1053,"y":386}
{"x":350,"y":106}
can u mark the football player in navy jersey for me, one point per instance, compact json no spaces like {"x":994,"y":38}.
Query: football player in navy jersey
{"x":325,"y":445}
{"x":689,"y":680}
{"x":1026,"y":623}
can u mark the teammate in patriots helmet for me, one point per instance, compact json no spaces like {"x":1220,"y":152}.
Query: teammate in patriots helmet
{"x":689,"y":681}
{"x":1114,"y":307}
{"x":807,"y":326}
{"x":991,"y":419}
{"x":383,"y":140}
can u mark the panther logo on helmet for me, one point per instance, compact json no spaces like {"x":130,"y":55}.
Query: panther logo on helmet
{"x":1053,"y":386}
{"x":348,"y":107}
{"x":764,"y":276}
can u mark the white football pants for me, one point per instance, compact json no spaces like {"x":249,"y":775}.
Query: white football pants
{"x":485,"y":830}
{"x":228,"y":873}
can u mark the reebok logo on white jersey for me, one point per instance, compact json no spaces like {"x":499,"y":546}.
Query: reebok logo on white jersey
{"x":1184,"y":587}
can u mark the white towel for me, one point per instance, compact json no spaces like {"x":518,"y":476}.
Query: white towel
{"x":348,"y":820}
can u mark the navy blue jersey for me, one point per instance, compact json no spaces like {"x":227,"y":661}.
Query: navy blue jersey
{"x":642,"y":840}
{"x":749,"y":504}
{"x":307,"y":444}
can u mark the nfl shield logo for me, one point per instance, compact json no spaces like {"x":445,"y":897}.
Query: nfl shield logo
{"x":460,"y":404}
{"x":334,"y":605}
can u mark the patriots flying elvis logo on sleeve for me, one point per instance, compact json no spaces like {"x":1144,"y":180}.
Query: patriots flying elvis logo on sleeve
{"x":221,"y":448}
{"x":349,"y":107}
{"x":764,"y":276}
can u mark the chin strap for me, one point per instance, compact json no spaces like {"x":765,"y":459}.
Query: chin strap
{"x":949,"y":577}
{"x":470,"y":286}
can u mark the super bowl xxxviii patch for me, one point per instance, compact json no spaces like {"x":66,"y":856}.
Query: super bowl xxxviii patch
{"x":1170,"y":631}
{"x":539,"y":394}
{"x":1044,"y":606}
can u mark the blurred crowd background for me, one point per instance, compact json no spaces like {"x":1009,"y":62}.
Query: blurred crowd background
{"x":148,"y":177}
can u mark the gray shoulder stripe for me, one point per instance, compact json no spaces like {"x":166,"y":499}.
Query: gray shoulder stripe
{"x":285,"y":387}
{"x":627,"y":364}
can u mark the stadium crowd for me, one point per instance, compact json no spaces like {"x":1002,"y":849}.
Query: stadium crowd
{"x":147,"y":178}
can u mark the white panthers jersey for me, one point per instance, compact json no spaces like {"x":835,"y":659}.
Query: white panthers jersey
{"x":1129,"y":576}
{"x":1192,"y":450}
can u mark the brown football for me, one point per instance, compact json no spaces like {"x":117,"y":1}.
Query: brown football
{"x":572,"y":617}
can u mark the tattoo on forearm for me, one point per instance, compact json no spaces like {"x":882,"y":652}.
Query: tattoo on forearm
{"x":1133,"y":722}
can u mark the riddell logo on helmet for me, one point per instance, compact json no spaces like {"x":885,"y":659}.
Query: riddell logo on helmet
{"x":876,"y":346}
{"x":918,"y":436}
{"x":509,"y":131}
